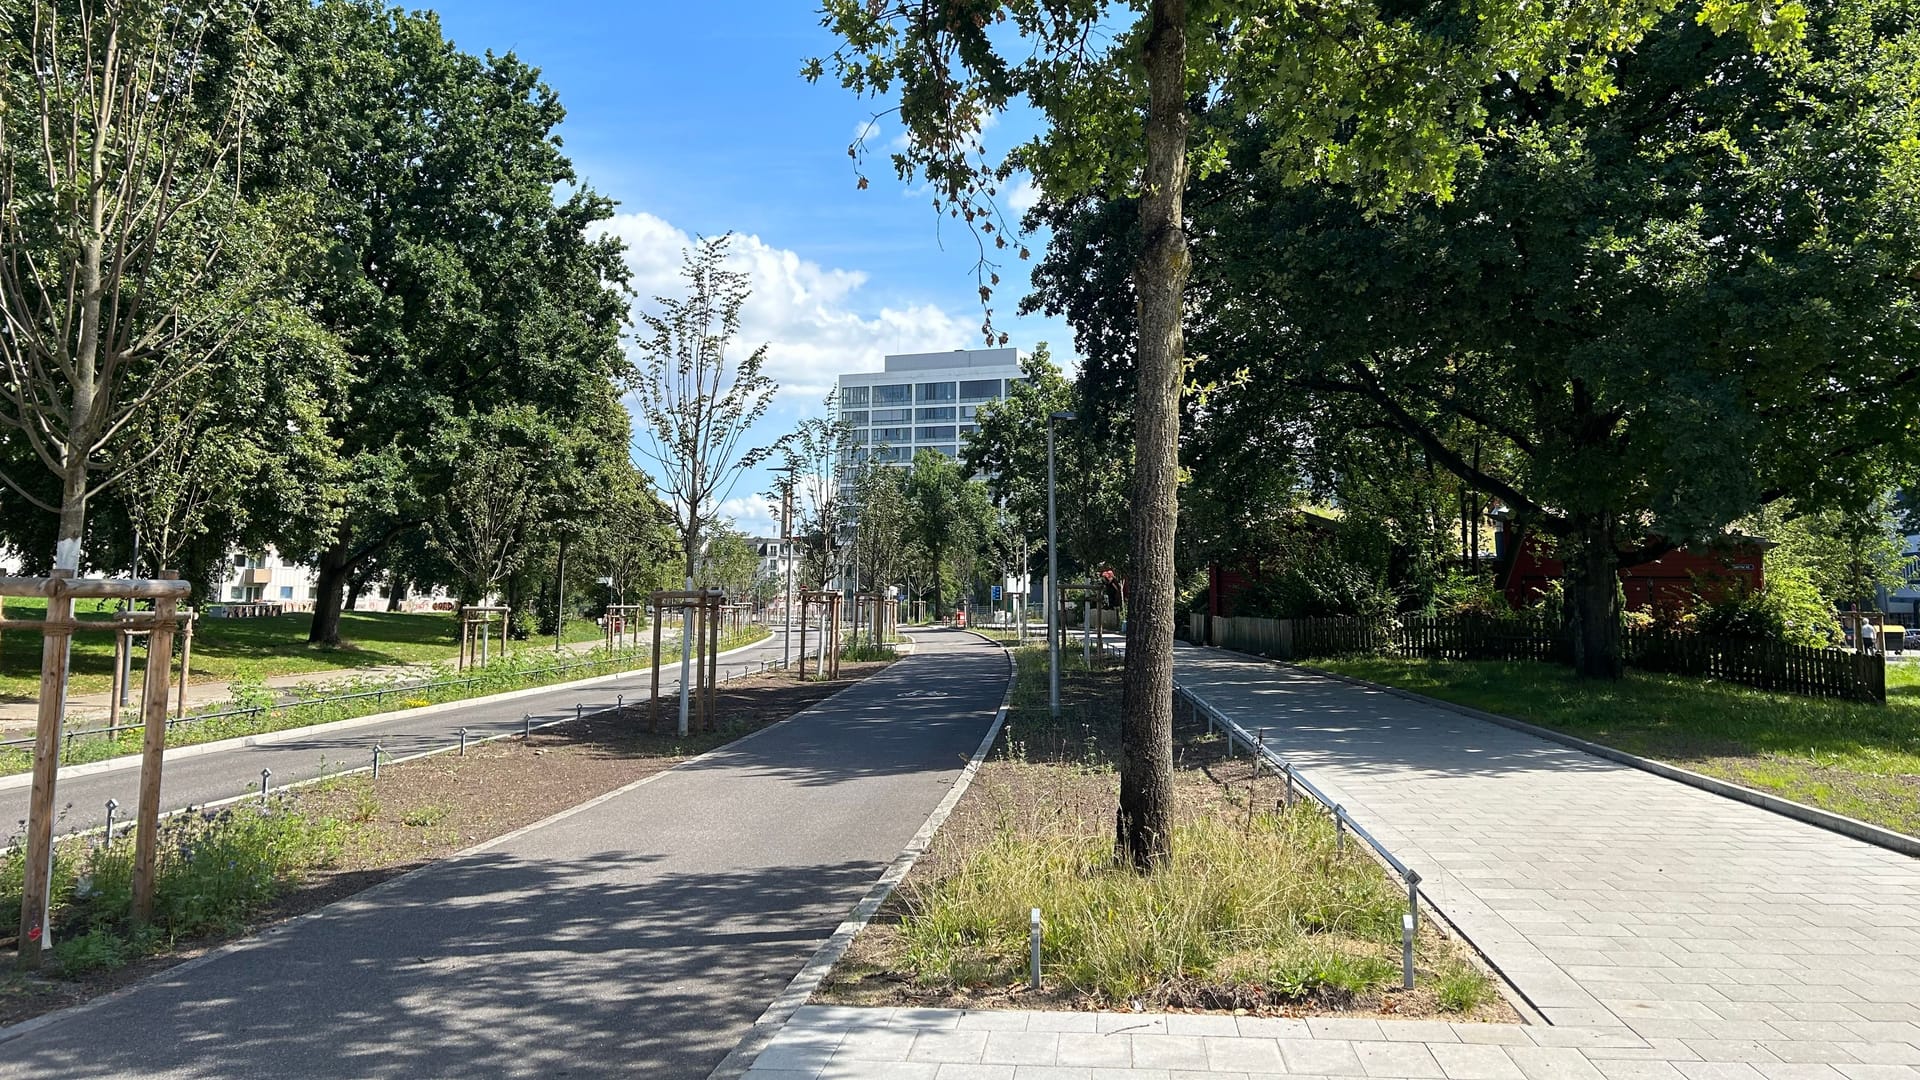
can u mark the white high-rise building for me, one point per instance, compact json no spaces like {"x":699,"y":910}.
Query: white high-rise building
{"x":923,"y":401}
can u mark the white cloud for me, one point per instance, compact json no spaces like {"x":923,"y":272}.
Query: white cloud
{"x":809,"y":316}
{"x":755,"y":515}
{"x":812,"y":320}
{"x":1024,"y":196}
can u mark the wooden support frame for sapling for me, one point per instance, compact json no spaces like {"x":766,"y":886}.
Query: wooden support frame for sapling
{"x":476,"y":621}
{"x":57,"y":629}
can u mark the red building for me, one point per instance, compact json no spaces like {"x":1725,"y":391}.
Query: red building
{"x":1526,"y":571}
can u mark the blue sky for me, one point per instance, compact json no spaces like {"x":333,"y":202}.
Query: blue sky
{"x":694,"y":117}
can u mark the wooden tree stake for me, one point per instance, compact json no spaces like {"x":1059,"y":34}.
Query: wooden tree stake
{"x":153,"y":707}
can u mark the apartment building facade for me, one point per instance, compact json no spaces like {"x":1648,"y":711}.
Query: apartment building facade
{"x":922,"y":401}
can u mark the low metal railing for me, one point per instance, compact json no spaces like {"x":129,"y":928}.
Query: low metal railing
{"x":113,"y":731}
{"x":1343,"y":821}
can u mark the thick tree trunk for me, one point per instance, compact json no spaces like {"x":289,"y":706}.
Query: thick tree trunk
{"x":1144,"y":823}
{"x":396,"y":592}
{"x":1593,"y":603}
{"x":330,"y":587}
{"x":356,"y":586}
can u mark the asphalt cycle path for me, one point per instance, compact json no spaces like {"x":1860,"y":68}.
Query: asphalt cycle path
{"x":197,"y":779}
{"x":637,"y":936}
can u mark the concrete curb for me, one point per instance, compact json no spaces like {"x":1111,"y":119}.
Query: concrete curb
{"x":268,"y":738}
{"x":258,"y":937}
{"x":1853,"y":828}
{"x":742,"y":1056}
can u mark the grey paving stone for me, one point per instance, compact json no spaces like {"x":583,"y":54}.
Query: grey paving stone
{"x":1238,"y":1054}
{"x":1170,"y":1052}
{"x":1108,"y":1051}
{"x":1327,"y":1057}
{"x":1471,"y":1061}
{"x":1408,"y":1061}
{"x":1021,"y":1048}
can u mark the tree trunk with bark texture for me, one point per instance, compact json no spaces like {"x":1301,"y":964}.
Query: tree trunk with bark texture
{"x":330,"y":587}
{"x":1593,"y":602}
{"x":1144,"y":823}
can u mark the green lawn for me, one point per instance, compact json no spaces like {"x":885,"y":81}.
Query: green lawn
{"x":1854,"y":759}
{"x":225,"y":648}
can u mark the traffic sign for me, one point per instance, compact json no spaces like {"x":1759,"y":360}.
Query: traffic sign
{"x":996,"y":594}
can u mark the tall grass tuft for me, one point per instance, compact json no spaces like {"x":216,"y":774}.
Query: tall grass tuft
{"x":1270,"y":901}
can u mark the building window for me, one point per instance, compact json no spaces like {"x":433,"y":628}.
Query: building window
{"x":980,"y":390}
{"x":892,"y":416}
{"x":968,"y":412}
{"x":236,"y":593}
{"x":313,"y":592}
{"x":934,"y":391}
{"x":853,"y":396}
{"x":942,"y":432}
{"x":890,"y":453}
{"x":286,"y":592}
{"x":967,"y":430}
{"x":855,"y":418}
{"x":935,"y":414}
{"x":892,"y":434}
{"x":947,"y":450}
{"x":893,"y":395}
{"x":858,"y":438}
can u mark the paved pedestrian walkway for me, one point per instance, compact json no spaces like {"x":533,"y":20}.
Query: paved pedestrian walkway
{"x":639,"y":936}
{"x":1661,"y":931}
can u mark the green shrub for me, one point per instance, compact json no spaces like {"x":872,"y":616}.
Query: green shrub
{"x":215,"y":870}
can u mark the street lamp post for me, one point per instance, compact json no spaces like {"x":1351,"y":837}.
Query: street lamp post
{"x":1053,"y":575}
{"x":786,"y":552}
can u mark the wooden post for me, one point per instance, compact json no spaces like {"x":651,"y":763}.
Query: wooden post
{"x":713,"y":664}
{"x":803,"y":637}
{"x":36,"y":895}
{"x":186,"y":660}
{"x":153,"y":707}
{"x":653,"y":706}
{"x":121,"y":647}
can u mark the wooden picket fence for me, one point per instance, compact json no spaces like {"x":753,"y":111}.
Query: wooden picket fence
{"x":1768,"y":665}
{"x":1822,"y":673}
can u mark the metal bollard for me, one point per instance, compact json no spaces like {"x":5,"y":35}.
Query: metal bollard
{"x":1413,"y":897}
{"x":266,"y":781}
{"x":112,"y":805}
{"x":1339,"y":828}
{"x":1406,"y":952}
{"x":463,"y":741}
{"x":526,"y":726}
{"x":376,"y":761}
{"x":1033,"y":943}
{"x":1288,"y":769}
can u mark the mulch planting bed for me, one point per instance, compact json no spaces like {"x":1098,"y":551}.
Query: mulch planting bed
{"x":425,"y":810}
{"x":1037,"y":782}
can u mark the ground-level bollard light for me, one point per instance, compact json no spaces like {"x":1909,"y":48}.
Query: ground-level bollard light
{"x":1406,"y":952}
{"x":112,"y":805}
{"x":376,"y":761}
{"x":1413,"y":897}
{"x":463,"y":741}
{"x":579,"y":710}
{"x":266,"y":781}
{"x":1033,"y":945}
{"x":619,"y":702}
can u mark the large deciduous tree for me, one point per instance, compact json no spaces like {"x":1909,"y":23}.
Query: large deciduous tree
{"x":1374,"y":93}
{"x":122,"y":127}
{"x":456,"y":255}
{"x":1636,"y":322}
